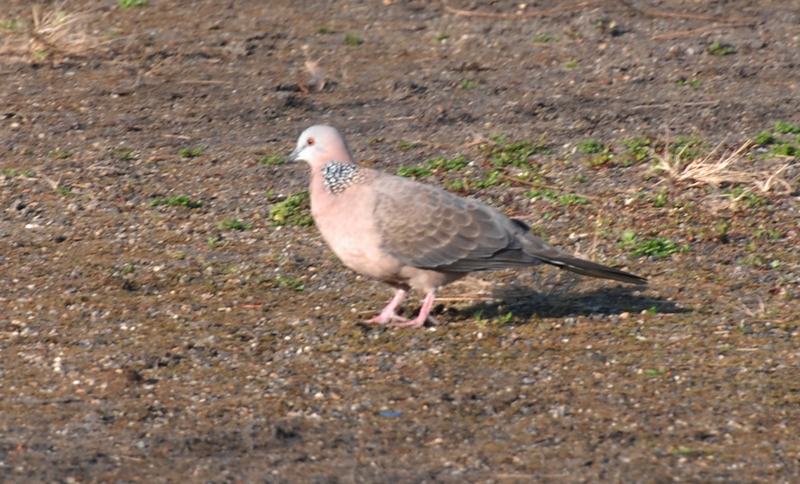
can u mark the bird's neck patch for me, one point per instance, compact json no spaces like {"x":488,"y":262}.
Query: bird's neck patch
{"x":338,"y":176}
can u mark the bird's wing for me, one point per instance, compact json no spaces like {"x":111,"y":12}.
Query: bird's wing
{"x":427,"y":227}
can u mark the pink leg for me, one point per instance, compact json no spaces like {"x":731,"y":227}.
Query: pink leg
{"x":424,"y":313}
{"x":389,"y":313}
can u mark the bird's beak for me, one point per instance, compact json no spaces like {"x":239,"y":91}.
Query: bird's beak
{"x":294,"y":155}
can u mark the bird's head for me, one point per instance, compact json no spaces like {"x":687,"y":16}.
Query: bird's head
{"x":320,"y":144}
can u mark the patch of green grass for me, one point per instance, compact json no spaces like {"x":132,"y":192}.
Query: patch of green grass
{"x":441,"y":36}
{"x":63,"y":191}
{"x":442,"y":164}
{"x":688,"y":147}
{"x":406,"y":145}
{"x":786,"y":128}
{"x":765,"y":138}
{"x":468,"y":84}
{"x":661,"y":200}
{"x":352,"y":39}
{"x":565,"y":200}
{"x":272,"y":160}
{"x":690,"y":82}
{"x":234,"y":224}
{"x":783,"y":149}
{"x":432,"y":166}
{"x":638,"y":150}
{"x":59,"y":154}
{"x":543,"y":193}
{"x":750,"y":199}
{"x":590,"y":146}
{"x":544,"y":38}
{"x":721,"y":49}
{"x":504,"y":320}
{"x":571,"y":199}
{"x":490,"y":179}
{"x":15,"y":172}
{"x":177,"y":201}
{"x":658,"y":247}
{"x":654,"y":372}
{"x":413,"y":171}
{"x":571,"y":64}
{"x":503,"y":153}
{"x":324,"y":30}
{"x":293,"y":284}
{"x":123,"y":4}
{"x":127,"y":269}
{"x":294,"y":211}
{"x":579,"y":178}
{"x":123,"y":154}
{"x":178,"y":255}
{"x":10,"y":24}
{"x":190,"y":152}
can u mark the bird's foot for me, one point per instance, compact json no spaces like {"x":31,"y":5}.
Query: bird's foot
{"x":391,"y":319}
{"x":414,"y":323}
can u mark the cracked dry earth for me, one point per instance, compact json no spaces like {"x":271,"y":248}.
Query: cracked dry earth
{"x":157,"y":324}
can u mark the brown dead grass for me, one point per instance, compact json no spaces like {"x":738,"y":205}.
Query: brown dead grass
{"x":49,"y":32}
{"x":718,"y":168}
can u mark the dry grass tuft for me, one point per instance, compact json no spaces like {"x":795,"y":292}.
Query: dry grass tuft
{"x":52,"y":32}
{"x":714,"y":170}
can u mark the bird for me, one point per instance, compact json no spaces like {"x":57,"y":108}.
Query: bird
{"x":413,"y":235}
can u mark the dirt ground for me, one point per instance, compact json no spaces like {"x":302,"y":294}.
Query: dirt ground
{"x":159,"y":323}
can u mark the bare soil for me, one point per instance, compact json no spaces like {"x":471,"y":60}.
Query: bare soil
{"x":147,"y":342}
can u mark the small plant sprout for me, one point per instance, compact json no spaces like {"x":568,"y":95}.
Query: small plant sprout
{"x":571,"y":64}
{"x":294,"y":211}
{"x":544,"y":38}
{"x":324,"y":30}
{"x":234,"y":224}
{"x":293,"y":284}
{"x":59,"y":154}
{"x":177,"y":201}
{"x":125,"y":4}
{"x":441,"y":37}
{"x":413,"y":171}
{"x":352,"y":39}
{"x":659,"y":247}
{"x":190,"y":152}
{"x":786,"y":128}
{"x":272,"y":160}
{"x":721,"y":49}
{"x":468,"y":84}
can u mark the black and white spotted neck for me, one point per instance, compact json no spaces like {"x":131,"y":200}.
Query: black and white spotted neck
{"x":338,"y":176}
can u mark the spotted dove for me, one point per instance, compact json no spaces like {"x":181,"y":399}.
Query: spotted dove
{"x":413,"y":235}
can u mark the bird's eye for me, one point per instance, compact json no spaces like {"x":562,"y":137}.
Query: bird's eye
{"x":310,"y":141}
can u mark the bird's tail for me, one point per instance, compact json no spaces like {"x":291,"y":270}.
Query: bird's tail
{"x":592,"y":269}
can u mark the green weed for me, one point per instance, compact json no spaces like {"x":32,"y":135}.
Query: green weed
{"x":177,"y":201}
{"x":59,"y":154}
{"x":190,"y":152}
{"x":124,"y":4}
{"x":786,"y":128}
{"x":272,"y":160}
{"x":517,"y":153}
{"x":293,"y":284}
{"x":234,"y":224}
{"x":294,"y":211}
{"x":468,"y":84}
{"x":413,"y":171}
{"x":571,"y":64}
{"x":721,"y":49}
{"x":544,"y":38}
{"x":352,"y":39}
